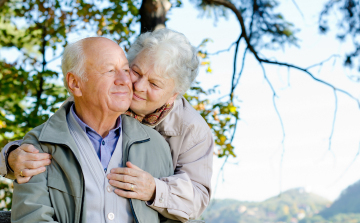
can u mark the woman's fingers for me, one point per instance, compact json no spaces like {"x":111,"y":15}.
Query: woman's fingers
{"x":23,"y":180}
{"x":126,"y":171}
{"x":132,"y":183}
{"x":130,"y":165}
{"x":123,"y":186}
{"x":26,"y":161}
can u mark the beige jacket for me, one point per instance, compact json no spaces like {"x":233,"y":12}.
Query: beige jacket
{"x":187,"y":193}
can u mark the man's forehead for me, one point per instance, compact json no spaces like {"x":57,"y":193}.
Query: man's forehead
{"x":100,"y":45}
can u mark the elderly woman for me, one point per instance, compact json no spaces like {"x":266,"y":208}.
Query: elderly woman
{"x":163,"y":65}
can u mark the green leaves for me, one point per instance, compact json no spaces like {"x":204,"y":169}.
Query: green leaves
{"x":221,"y":117}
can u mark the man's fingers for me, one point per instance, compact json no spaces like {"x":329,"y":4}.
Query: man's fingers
{"x":29,"y":148}
{"x":126,"y":171}
{"x":22,"y":180}
{"x":132,"y":166}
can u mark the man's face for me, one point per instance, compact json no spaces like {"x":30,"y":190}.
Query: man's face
{"x":108,"y":86}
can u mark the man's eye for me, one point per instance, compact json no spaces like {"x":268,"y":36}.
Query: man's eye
{"x":112,"y":70}
{"x":154,"y":84}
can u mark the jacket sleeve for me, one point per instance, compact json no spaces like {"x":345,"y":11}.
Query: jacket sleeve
{"x":5,"y":171}
{"x":186,"y":194}
{"x":31,"y":201}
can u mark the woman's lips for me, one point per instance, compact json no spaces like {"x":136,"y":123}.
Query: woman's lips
{"x":135,"y":96}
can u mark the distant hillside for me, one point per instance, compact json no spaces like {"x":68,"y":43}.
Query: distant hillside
{"x":345,"y":209}
{"x":290,"y":206}
{"x":348,"y":202}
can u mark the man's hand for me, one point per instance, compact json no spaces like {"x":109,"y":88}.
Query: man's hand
{"x":132,"y":182}
{"x":28,"y":160}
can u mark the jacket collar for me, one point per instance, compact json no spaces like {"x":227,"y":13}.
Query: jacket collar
{"x":132,"y":131}
{"x":56,"y":130}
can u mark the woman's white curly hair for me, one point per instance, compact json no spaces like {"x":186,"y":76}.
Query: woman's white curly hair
{"x":172,"y":55}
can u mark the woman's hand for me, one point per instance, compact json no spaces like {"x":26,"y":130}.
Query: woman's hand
{"x":26,"y":161}
{"x":132,"y":182}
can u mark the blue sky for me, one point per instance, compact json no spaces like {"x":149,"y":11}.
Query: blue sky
{"x":307,"y":109}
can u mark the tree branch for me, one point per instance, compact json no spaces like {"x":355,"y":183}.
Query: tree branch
{"x":274,"y":96}
{"x":221,"y":51}
{"x":242,"y":68}
{"x":298,"y":8}
{"x":322,"y":62}
{"x":238,"y":14}
{"x":234,"y":66}
{"x":334,"y":119}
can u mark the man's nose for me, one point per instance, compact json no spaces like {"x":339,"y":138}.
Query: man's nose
{"x":123,"y":78}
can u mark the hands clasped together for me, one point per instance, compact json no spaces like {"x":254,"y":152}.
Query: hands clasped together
{"x":129,"y":181}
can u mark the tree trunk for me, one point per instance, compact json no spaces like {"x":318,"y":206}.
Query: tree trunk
{"x":2,"y":2}
{"x":153,"y":14}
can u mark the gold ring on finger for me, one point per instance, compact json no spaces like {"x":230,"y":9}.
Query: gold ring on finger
{"x":132,"y":187}
{"x":21,"y":174}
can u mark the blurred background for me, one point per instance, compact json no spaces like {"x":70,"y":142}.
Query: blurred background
{"x":278,"y":85}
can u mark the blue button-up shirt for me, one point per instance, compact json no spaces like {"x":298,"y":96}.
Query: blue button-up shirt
{"x":104,"y":147}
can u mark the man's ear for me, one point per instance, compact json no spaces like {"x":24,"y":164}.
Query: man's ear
{"x":172,"y":99}
{"x":73,"y":82}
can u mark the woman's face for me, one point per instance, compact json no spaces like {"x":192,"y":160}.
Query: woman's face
{"x":151,"y":90}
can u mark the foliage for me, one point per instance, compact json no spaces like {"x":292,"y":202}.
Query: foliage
{"x":339,"y":218}
{"x":30,"y":89}
{"x":348,"y":25}
{"x":6,"y":190}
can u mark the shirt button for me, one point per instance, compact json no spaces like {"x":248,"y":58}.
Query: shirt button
{"x":103,"y":143}
{"x":109,"y":188}
{"x":161,"y":200}
{"x":111,"y":216}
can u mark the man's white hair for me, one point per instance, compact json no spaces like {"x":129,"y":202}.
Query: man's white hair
{"x":73,"y":61}
{"x":171,"y":54}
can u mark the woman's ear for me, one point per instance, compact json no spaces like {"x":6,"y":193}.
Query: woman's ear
{"x":172,"y":99}
{"x":73,"y":82}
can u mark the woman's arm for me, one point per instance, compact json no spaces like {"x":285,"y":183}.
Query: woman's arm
{"x":186,"y":194}
{"x":25,"y":158}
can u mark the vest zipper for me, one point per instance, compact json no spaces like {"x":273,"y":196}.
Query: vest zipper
{"x":125,"y":160}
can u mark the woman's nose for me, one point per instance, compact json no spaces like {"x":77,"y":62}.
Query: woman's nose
{"x":139,"y":84}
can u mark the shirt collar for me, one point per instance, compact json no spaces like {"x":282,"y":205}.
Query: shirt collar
{"x":86,"y":128}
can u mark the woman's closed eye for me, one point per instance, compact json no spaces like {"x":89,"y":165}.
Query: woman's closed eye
{"x":134,"y":72}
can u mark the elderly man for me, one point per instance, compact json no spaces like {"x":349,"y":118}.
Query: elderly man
{"x":88,"y":138}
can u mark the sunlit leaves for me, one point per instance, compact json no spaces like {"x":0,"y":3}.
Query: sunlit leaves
{"x":6,"y":190}
{"x":221,"y":117}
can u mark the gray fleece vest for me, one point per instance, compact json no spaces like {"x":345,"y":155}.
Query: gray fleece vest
{"x":102,"y":204}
